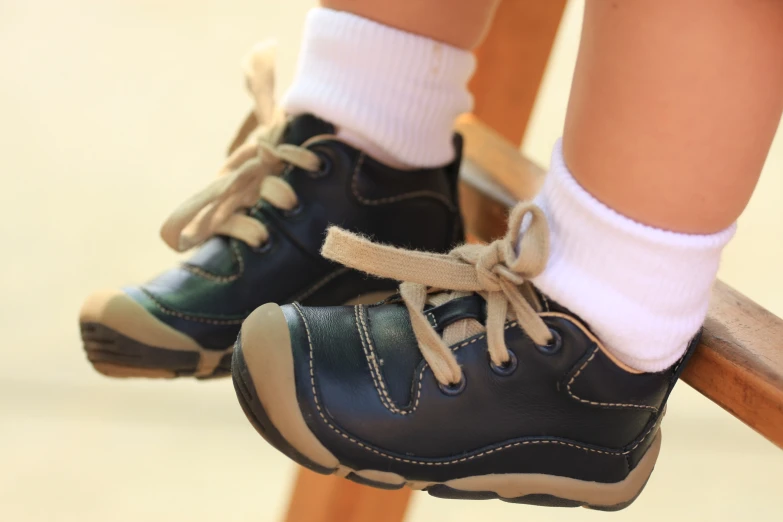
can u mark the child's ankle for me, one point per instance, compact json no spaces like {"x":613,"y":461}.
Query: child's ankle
{"x":644,"y":291}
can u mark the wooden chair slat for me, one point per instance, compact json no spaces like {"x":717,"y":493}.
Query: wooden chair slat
{"x":319,"y":498}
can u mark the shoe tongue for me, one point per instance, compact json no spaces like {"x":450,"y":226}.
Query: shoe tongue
{"x":458,"y":330}
{"x":465,"y":328}
{"x":301,"y":128}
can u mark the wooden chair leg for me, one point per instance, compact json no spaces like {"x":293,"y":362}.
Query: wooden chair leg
{"x":511,"y":63}
{"x":319,"y":498}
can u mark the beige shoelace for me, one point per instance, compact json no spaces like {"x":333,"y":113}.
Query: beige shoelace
{"x":249,"y":174}
{"x":494,"y":270}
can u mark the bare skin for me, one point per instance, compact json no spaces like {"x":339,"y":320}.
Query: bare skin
{"x":674,"y":106}
{"x":460,"y":23}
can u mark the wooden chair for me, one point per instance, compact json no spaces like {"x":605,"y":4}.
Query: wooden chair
{"x":739,"y":364}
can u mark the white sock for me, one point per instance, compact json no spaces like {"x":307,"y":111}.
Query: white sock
{"x":644,"y":291}
{"x":393,"y":94}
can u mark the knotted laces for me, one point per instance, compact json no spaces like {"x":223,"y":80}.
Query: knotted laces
{"x":249,"y":174}
{"x":498,"y":271}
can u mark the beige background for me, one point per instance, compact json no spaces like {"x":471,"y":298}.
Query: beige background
{"x":110,"y":113}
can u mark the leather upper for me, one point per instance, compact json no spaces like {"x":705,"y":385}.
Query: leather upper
{"x":374,"y":403}
{"x":210,"y":295}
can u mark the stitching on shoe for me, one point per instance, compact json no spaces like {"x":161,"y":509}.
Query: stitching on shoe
{"x":224,"y":322}
{"x":445,"y":462}
{"x":454,"y":348}
{"x":676,"y":367}
{"x":418,"y":380}
{"x":175,"y":313}
{"x":391,"y":199}
{"x":217,"y":278}
{"x":310,"y":291}
{"x":453,"y":461}
{"x":432,"y":319}
{"x":372,"y":361}
{"x":597,"y":403}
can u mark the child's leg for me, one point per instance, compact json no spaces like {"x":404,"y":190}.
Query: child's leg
{"x":460,"y":23}
{"x":392,"y":76}
{"x":672,"y":112}
{"x":673,"y":108}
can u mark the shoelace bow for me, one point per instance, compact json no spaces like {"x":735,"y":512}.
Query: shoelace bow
{"x":494,"y":270}
{"x":249,"y":174}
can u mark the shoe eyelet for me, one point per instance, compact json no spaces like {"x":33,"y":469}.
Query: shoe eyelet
{"x":554,"y":345}
{"x":508,"y":368}
{"x":294,"y":211}
{"x":324,"y":168}
{"x":264,"y":247}
{"x":453,"y":389}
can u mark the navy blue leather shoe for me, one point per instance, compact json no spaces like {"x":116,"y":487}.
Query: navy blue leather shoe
{"x":258,"y":249}
{"x":482,"y":389}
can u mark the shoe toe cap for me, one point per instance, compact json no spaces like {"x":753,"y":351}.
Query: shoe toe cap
{"x":117,"y":310}
{"x":266,"y":353}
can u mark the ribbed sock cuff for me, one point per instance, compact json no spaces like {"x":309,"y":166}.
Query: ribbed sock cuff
{"x":395,"y":91}
{"x":644,"y":291}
